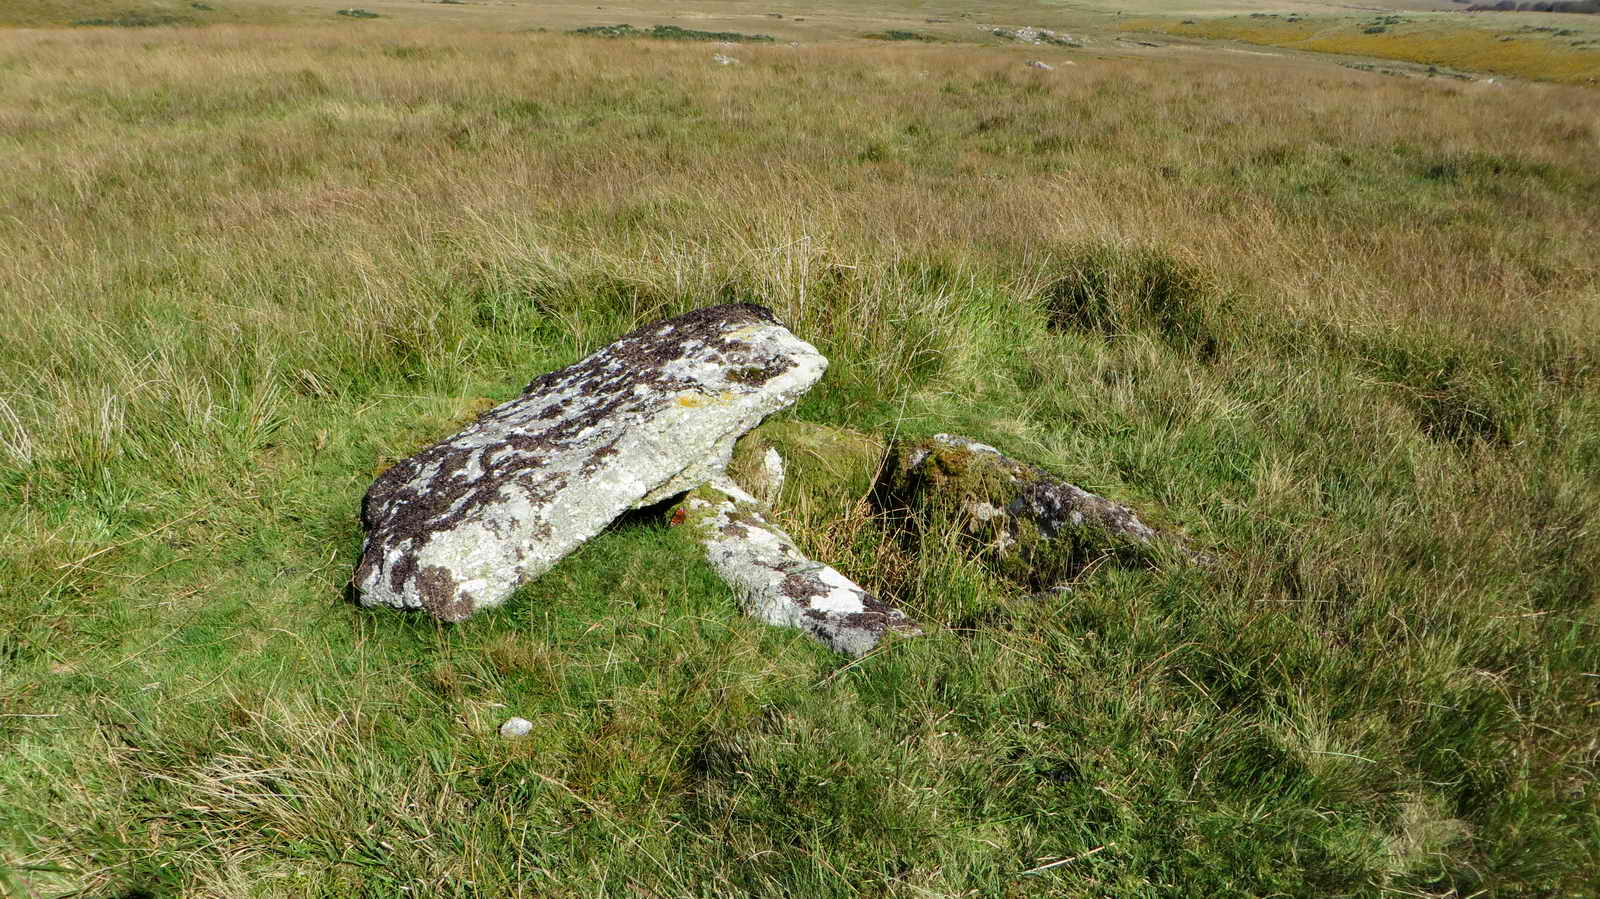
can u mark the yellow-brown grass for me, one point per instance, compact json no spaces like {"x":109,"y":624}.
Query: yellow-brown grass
{"x":130,"y":136}
{"x":1473,"y":48}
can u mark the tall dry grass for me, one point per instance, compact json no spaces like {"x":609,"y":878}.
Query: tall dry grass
{"x":331,"y":186}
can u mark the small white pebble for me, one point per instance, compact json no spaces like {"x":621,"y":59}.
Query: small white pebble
{"x":516,"y":728}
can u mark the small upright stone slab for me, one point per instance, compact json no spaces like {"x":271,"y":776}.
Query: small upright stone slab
{"x":459,"y":526}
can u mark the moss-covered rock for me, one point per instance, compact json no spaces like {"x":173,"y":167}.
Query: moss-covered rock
{"x":1029,"y":525}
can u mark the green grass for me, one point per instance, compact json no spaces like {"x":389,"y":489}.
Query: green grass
{"x":1339,"y":337}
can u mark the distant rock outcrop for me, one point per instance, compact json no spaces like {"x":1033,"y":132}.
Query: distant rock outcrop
{"x":1035,"y":36}
{"x":459,"y":526}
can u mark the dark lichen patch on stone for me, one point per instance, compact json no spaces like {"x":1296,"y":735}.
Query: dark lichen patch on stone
{"x":645,"y":349}
{"x":402,"y":571}
{"x":757,"y":375}
{"x":437,"y":588}
{"x":876,"y":621}
{"x":597,"y":459}
{"x":876,"y":616}
{"x":802,"y":588}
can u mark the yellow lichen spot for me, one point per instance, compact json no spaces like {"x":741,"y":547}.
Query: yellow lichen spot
{"x":696,"y":400}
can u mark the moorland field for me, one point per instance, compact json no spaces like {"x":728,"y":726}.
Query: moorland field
{"x":1330,"y":317}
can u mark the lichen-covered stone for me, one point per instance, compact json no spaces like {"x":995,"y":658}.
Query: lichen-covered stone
{"x":459,"y":526}
{"x":1028,"y":524}
{"x":775,"y":582}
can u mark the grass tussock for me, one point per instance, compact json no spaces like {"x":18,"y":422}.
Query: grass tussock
{"x":1339,"y":338}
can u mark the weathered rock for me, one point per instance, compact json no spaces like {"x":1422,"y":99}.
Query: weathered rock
{"x":1030,"y":525}
{"x":516,"y":728}
{"x":1040,"y":64}
{"x":774,"y":581}
{"x":459,"y":526}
